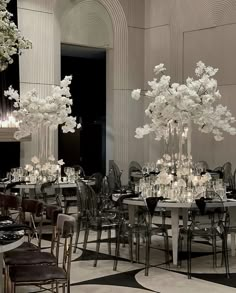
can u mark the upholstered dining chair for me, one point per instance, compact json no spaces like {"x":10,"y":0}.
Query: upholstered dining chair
{"x":31,"y":213}
{"x":49,"y":274}
{"x":32,"y":257}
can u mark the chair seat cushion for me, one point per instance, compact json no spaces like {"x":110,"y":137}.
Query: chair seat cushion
{"x":25,"y":246}
{"x":36,"y":273}
{"x":29,"y":258}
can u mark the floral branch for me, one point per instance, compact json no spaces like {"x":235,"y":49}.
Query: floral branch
{"x":11,"y":41}
{"x":33,"y":111}
{"x":195,"y":101}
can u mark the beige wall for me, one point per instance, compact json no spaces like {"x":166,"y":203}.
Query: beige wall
{"x":122,"y":23}
{"x":181,"y":32}
{"x":35,"y":20}
{"x":144,"y":33}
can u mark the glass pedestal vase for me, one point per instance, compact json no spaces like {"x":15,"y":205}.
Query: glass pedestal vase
{"x":46,"y":142}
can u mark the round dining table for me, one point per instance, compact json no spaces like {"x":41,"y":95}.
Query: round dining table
{"x":176,"y":209}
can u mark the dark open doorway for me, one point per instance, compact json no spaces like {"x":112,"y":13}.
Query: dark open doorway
{"x":87,"y":147}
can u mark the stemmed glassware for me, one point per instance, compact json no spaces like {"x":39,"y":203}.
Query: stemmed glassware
{"x":70,"y":173}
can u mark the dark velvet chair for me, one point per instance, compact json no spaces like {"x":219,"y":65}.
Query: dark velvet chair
{"x":55,"y":274}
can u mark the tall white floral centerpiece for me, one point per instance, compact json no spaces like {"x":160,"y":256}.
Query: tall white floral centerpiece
{"x":175,"y":107}
{"x":42,"y":115}
{"x":11,"y":41}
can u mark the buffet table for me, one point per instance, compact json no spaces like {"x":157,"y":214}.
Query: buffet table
{"x":176,"y":209}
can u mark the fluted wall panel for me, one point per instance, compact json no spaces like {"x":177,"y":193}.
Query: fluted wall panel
{"x":36,"y":21}
{"x":36,"y":65}
{"x":37,"y":5}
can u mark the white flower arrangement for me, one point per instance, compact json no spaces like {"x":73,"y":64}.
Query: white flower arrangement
{"x":11,"y":41}
{"x":51,"y":167}
{"x":164,"y":178}
{"x":174,"y":105}
{"x":34,"y":111}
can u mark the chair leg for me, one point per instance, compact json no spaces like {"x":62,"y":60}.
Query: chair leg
{"x":189,"y":246}
{"x":137,"y":236}
{"x":86,"y":234}
{"x":68,"y":287}
{"x":109,"y":241}
{"x":180,"y":246}
{"x":77,"y":234}
{"x":167,"y":255}
{"x":130,"y":239}
{"x":123,"y":238}
{"x":63,"y":288}
{"x":13,"y":287}
{"x":225,"y":252}
{"x":99,"y":234}
{"x":117,"y":252}
{"x":57,"y":287}
{"x":147,"y":257}
{"x":214,"y":250}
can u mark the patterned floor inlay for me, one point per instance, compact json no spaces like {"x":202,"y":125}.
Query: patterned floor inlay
{"x":130,"y":278}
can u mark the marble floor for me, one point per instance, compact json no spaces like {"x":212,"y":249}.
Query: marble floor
{"x":130,"y":278}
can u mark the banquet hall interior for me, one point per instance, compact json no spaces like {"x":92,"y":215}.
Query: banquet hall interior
{"x":117,"y":146}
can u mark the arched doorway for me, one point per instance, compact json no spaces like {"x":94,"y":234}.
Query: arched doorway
{"x":101,"y":23}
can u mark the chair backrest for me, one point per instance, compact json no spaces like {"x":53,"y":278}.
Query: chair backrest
{"x":205,"y":213}
{"x":97,"y":187}
{"x":51,"y":190}
{"x":114,"y":176}
{"x":87,"y":200}
{"x":105,"y":186}
{"x":35,"y":210}
{"x":151,"y":210}
{"x":92,"y":202}
{"x":134,"y":166}
{"x":79,"y":170}
{"x":64,"y":230}
{"x":82,"y":200}
{"x":234,"y":179}
{"x":227,"y":174}
{"x":11,"y":202}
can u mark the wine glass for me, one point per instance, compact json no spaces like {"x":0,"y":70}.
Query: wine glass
{"x":20,"y":172}
{"x":72,"y":175}
{"x":67,"y":171}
